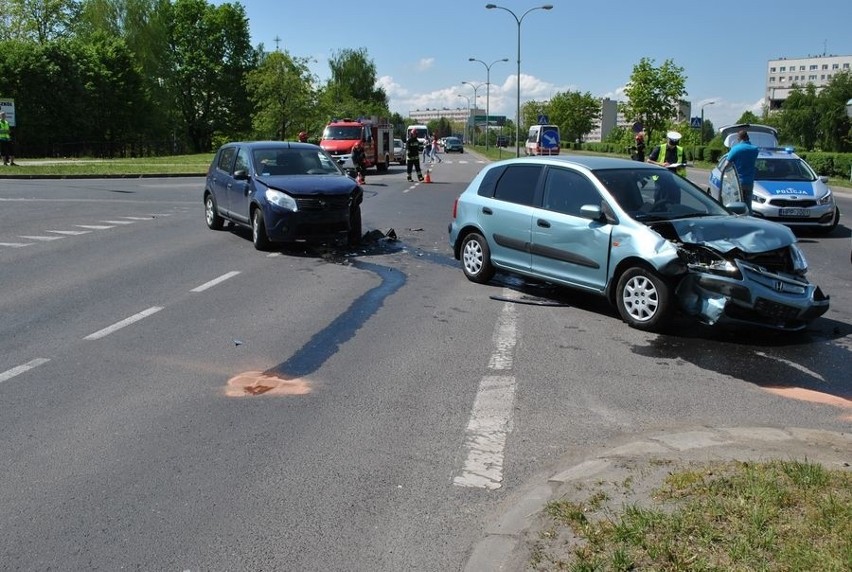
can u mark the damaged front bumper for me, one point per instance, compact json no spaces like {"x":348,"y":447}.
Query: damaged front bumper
{"x":757,"y":297}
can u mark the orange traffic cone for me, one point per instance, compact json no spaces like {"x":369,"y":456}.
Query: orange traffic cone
{"x":428,"y":178}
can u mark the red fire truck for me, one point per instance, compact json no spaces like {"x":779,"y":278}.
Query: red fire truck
{"x":340,"y":135}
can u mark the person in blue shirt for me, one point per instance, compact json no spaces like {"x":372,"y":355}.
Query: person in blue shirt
{"x":743,"y":155}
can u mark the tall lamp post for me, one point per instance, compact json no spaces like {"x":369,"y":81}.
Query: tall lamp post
{"x":468,"y":111}
{"x":518,"y":112}
{"x":849,"y":115}
{"x":487,"y":93}
{"x":475,"y":87}
{"x":702,"y":119}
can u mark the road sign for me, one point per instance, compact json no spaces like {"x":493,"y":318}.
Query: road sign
{"x":695,"y":123}
{"x":550,"y":139}
{"x":637,"y":127}
{"x":542,"y":119}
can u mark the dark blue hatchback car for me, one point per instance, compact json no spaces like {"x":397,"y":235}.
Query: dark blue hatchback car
{"x":284,"y":192}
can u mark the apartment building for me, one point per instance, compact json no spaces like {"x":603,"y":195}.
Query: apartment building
{"x":783,"y":74}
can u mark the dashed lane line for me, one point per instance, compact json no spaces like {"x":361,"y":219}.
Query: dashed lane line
{"x":126,"y":322}
{"x":10,"y":373}
{"x":215,"y":281}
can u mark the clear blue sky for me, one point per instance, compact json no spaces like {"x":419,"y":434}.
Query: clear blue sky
{"x":421,"y":49}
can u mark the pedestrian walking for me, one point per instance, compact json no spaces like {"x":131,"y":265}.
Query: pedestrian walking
{"x":435,"y":145}
{"x":640,"y":146}
{"x":412,"y":151}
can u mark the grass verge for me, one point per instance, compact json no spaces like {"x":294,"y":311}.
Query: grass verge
{"x":58,"y":167}
{"x":774,"y":515}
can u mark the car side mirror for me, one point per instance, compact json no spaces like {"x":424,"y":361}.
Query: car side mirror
{"x":592,"y":212}
{"x":737,"y":207}
{"x":241,"y":175}
{"x":823,"y":179}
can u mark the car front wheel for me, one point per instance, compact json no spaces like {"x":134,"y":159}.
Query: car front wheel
{"x":643,"y":299}
{"x":211,"y":213}
{"x":476,"y":258}
{"x":258,"y":230}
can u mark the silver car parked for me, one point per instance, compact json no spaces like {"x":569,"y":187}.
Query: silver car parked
{"x":647,"y":239}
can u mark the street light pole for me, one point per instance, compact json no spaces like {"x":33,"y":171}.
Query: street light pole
{"x":487,"y":93}
{"x":468,"y":111}
{"x":702,"y":119}
{"x":518,"y":111}
{"x":475,"y":86}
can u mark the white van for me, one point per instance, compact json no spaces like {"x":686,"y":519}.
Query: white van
{"x":422,"y":133}
{"x":542,"y":140}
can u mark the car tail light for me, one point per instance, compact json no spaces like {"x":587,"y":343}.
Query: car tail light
{"x":455,"y":208}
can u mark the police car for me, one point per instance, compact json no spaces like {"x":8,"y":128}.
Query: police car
{"x":786,"y":189}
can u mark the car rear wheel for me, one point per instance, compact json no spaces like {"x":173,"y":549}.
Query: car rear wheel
{"x":258,"y":230}
{"x":476,"y":258}
{"x":643,"y":299}
{"x":211,"y":213}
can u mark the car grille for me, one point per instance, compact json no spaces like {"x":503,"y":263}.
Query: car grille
{"x":323,"y":203}
{"x":794,"y":204}
{"x":775,"y":310}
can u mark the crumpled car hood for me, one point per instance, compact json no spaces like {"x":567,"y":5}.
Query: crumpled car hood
{"x":726,"y":233}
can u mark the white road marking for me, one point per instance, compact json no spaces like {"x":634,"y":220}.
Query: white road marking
{"x":43,"y":238}
{"x":801,"y":368}
{"x":490,"y":423}
{"x":15,"y":244}
{"x":9,"y":374}
{"x":126,"y":322}
{"x":93,"y":226}
{"x":215,"y":281}
{"x":137,"y":217}
{"x":491,"y":417}
{"x":70,"y":232}
{"x":118,"y":221}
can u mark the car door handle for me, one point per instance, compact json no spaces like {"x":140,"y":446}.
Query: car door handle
{"x":486,"y":210}
{"x":543,"y":223}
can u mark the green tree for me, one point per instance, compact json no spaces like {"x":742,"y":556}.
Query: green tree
{"x":654,"y":94}
{"x":575,"y":113}
{"x":209,"y":56}
{"x":799,"y":118}
{"x":282,"y":91}
{"x":40,"y":21}
{"x":353,"y":77}
{"x":834,"y":123}
{"x":531,"y":110}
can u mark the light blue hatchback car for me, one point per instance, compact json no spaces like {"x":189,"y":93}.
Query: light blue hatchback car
{"x":647,"y":239}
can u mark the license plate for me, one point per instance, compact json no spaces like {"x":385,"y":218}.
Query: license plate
{"x":794,"y":212}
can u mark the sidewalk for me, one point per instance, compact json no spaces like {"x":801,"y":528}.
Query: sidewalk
{"x":644,"y":462}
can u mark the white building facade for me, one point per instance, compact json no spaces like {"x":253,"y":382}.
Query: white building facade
{"x":783,"y":74}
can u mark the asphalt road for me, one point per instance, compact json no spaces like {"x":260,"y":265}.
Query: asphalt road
{"x":129,"y":330}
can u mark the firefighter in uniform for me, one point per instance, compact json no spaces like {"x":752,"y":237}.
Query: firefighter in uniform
{"x":359,"y":157}
{"x":413,"y":148}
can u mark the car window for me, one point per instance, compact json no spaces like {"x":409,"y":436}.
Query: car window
{"x":776,"y":169}
{"x":565,"y":191}
{"x":489,"y":181}
{"x":226,"y":159}
{"x":518,"y":184}
{"x":242,"y":162}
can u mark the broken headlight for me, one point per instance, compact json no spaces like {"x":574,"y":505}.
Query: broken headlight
{"x":702,"y":259}
{"x":800,"y":264}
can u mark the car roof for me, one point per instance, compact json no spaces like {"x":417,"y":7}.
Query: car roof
{"x":272,"y":144}
{"x":591,"y":162}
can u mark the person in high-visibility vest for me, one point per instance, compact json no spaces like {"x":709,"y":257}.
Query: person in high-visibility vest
{"x":6,"y":146}
{"x":670,"y":153}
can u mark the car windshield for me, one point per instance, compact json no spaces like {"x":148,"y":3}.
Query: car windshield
{"x":777,"y":169}
{"x":272,"y":162}
{"x":342,"y":133}
{"x":453,"y":140}
{"x":651,"y":194}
